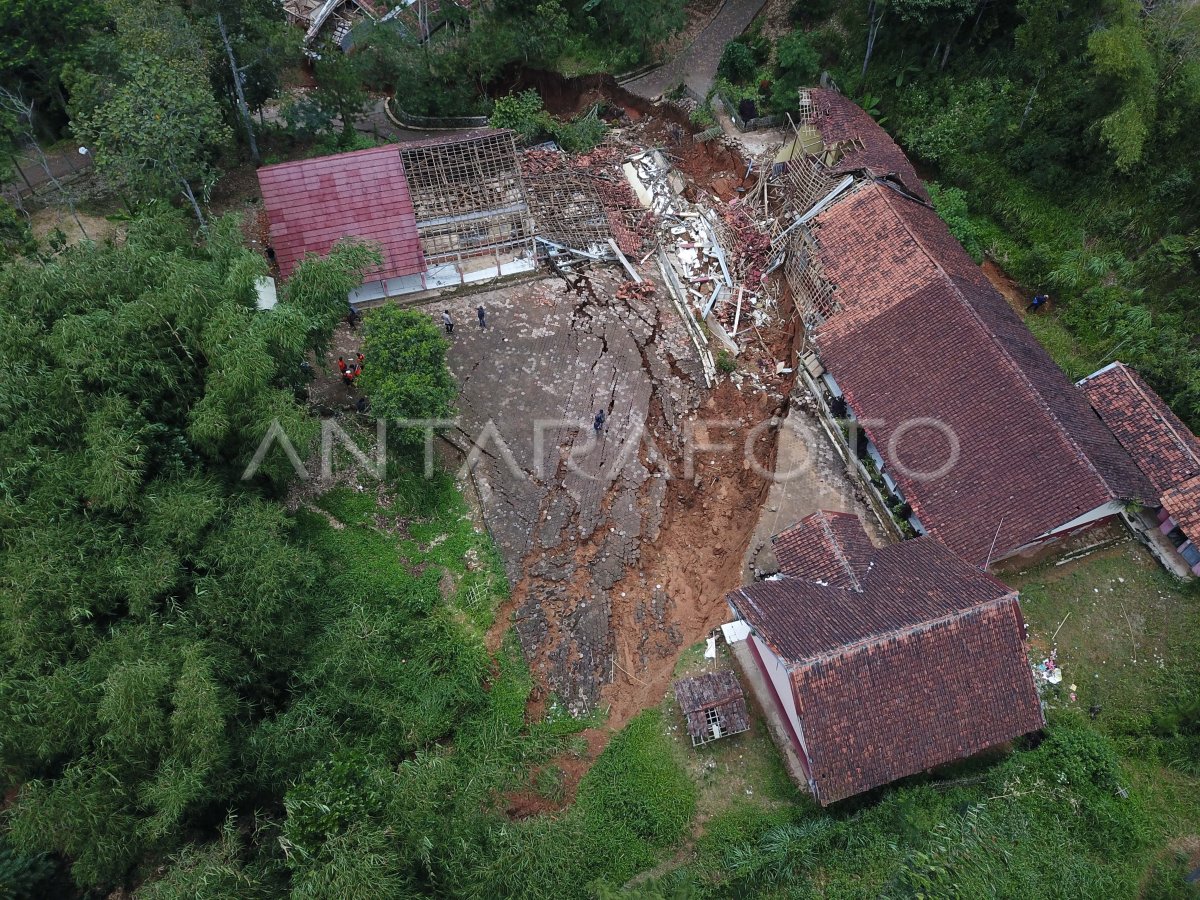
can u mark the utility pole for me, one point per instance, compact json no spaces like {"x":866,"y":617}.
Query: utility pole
{"x":241,"y":96}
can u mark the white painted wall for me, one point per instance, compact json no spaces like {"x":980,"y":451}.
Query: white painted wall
{"x":779,"y":676}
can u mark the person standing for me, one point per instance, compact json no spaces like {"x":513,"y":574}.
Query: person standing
{"x":598,"y":422}
{"x":448,"y":322}
{"x":482,"y":313}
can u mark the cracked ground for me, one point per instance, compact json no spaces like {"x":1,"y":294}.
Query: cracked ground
{"x":616,"y":560}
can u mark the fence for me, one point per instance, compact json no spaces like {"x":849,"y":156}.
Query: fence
{"x":431,"y":123}
{"x":756,"y":124}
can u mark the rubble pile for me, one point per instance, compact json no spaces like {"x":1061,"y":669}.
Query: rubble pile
{"x":630,"y":224}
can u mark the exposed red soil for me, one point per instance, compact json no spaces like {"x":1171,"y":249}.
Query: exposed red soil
{"x":1001,"y":281}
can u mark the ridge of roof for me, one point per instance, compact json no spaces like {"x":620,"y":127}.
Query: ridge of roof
{"x":866,"y":642}
{"x":839,"y":551}
{"x":915,"y":582}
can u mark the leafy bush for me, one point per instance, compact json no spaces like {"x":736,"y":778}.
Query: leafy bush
{"x":797,"y":64}
{"x":24,"y":877}
{"x":525,"y":114}
{"x":726,"y":362}
{"x":405,"y":373}
{"x":951,"y":204}
{"x":737,"y":63}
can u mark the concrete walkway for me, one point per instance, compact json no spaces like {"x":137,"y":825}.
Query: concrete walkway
{"x":697,"y":65}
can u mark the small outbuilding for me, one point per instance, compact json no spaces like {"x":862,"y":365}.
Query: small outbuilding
{"x":713,"y":706}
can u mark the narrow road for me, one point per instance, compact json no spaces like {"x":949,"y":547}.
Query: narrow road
{"x":697,"y":65}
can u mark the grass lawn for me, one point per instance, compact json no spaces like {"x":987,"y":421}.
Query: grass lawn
{"x":1126,"y":627}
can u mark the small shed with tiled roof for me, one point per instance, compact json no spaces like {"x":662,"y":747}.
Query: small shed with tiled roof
{"x":713,"y":706}
{"x":1163,"y":447}
{"x":917,"y":661}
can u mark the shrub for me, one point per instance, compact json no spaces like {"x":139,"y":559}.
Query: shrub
{"x":951,"y":204}
{"x":737,"y":63}
{"x":405,"y":373}
{"x":798,"y":64}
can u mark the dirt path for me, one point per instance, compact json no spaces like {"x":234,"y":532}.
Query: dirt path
{"x":1002,"y":282}
{"x":696,"y":66}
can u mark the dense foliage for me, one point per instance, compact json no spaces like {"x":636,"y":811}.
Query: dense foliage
{"x":407,"y":377}
{"x":149,"y":606}
{"x":474,"y":53}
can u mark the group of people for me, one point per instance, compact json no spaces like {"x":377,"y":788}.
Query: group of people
{"x":448,"y":320}
{"x":350,"y":371}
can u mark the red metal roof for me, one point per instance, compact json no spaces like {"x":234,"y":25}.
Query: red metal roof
{"x":1162,"y":446}
{"x":314,"y":203}
{"x":923,"y":665}
{"x":922,"y":335}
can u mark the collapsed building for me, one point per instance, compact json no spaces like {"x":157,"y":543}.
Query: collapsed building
{"x":444,"y":211}
{"x":952,"y":408}
{"x":340,"y":20}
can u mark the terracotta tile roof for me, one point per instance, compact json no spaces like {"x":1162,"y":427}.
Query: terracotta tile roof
{"x":1162,"y":446}
{"x":917,"y":700}
{"x":1183,"y":503}
{"x":826,"y":546}
{"x":872,"y":149}
{"x":314,"y":203}
{"x":922,"y":334}
{"x":905,"y":584}
{"x":925,"y":666}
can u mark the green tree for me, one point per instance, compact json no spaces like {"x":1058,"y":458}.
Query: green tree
{"x":154,"y":610}
{"x":405,"y":374}
{"x":38,"y":39}
{"x":340,"y":90}
{"x":158,"y":133}
{"x":737,"y":63}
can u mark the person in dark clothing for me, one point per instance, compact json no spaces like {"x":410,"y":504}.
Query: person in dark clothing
{"x":598,"y":422}
{"x":448,"y":322}
{"x":482,"y":313}
{"x":353,"y":317}
{"x":361,"y":405}
{"x":1038,"y":301}
{"x":270,"y":254}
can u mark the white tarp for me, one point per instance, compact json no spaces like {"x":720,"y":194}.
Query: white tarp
{"x":264,"y":286}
